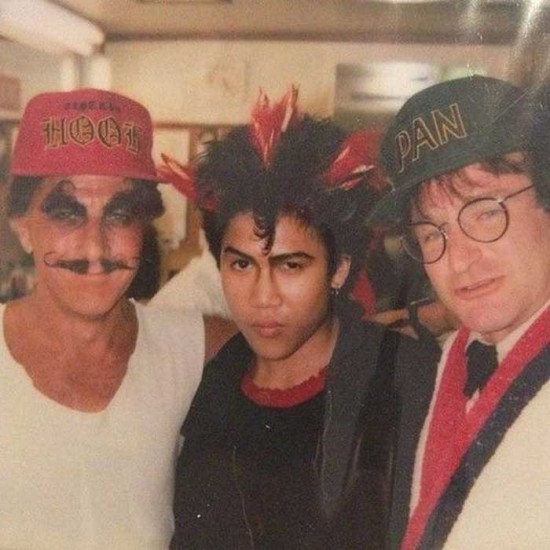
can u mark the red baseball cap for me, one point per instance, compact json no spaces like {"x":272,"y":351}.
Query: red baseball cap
{"x":86,"y":131}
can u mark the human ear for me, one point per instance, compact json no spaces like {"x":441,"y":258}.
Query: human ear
{"x":341,"y":274}
{"x":20,"y":228}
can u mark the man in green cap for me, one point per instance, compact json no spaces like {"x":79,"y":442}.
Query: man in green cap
{"x":468,"y":161}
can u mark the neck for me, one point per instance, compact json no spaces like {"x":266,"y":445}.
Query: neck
{"x":78,"y":362}
{"x":37,"y":333}
{"x":507,"y":342}
{"x":312,"y":357}
{"x":57,"y":321}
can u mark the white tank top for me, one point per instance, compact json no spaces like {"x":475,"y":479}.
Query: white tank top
{"x":76,"y":480}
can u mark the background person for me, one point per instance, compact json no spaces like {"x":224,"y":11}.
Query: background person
{"x":94,"y":387}
{"x":196,"y":287}
{"x":290,"y":440}
{"x":472,"y":187}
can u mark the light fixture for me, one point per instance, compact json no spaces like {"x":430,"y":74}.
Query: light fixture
{"x":48,"y":27}
{"x":183,"y":1}
{"x":403,"y":2}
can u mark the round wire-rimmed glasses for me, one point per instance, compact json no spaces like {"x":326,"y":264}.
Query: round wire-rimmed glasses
{"x":484,"y":220}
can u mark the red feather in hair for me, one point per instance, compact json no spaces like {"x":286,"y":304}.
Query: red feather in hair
{"x":184,"y":179}
{"x":358,"y":155}
{"x":269,"y":122}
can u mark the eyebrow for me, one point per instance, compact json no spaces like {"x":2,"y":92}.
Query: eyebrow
{"x":278,"y":258}
{"x":235,"y":251}
{"x":125,"y":199}
{"x":60,"y":198}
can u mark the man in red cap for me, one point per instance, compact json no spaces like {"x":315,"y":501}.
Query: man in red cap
{"x":94,"y":386}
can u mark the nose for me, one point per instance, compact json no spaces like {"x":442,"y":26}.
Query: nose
{"x":94,"y":244}
{"x":265,"y":292}
{"x":462,"y":251}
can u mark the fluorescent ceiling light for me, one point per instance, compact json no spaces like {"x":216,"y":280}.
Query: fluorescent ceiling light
{"x":403,"y":1}
{"x":48,"y":27}
{"x":183,"y":1}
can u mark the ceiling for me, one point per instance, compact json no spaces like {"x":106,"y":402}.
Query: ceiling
{"x":471,"y":21}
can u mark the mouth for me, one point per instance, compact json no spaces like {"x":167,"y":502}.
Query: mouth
{"x":270,"y":329}
{"x":478,"y":289}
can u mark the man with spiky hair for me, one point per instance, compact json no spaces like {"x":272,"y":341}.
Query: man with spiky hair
{"x":290,"y":440}
{"x":94,"y":386}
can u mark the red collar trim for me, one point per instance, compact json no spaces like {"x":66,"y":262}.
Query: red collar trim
{"x":453,"y":428}
{"x":269,"y":397}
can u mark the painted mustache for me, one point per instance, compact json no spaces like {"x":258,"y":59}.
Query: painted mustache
{"x":82,"y":266}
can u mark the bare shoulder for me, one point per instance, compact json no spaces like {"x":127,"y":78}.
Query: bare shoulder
{"x":217,"y":332}
{"x":18,"y":325}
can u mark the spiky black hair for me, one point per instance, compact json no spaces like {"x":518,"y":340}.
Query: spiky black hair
{"x":234,"y":172}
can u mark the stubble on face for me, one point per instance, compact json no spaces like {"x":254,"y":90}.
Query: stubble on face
{"x":492,"y":287}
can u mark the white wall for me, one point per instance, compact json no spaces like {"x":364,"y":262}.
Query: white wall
{"x":217,"y":81}
{"x":37,"y":71}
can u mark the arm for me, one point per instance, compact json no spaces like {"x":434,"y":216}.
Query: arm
{"x":217,"y":332}
{"x":434,"y":316}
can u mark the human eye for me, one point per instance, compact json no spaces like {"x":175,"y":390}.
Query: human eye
{"x":64,"y":215}
{"x":427,"y":234}
{"x":119,"y":216}
{"x":240,"y":264}
{"x":292,"y":263}
{"x":64,"y":212}
{"x":123,"y":209}
{"x":489,"y":212}
{"x":291,"y":267}
{"x":484,"y":212}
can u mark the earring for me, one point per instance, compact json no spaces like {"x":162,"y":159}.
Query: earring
{"x":334,"y":291}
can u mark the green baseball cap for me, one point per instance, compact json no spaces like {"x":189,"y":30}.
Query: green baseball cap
{"x":448,"y":126}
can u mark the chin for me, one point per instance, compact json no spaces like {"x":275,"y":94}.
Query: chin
{"x":92,"y":313}
{"x":91,"y":309}
{"x":481,"y":313}
{"x":488,"y":325}
{"x":269,"y":351}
